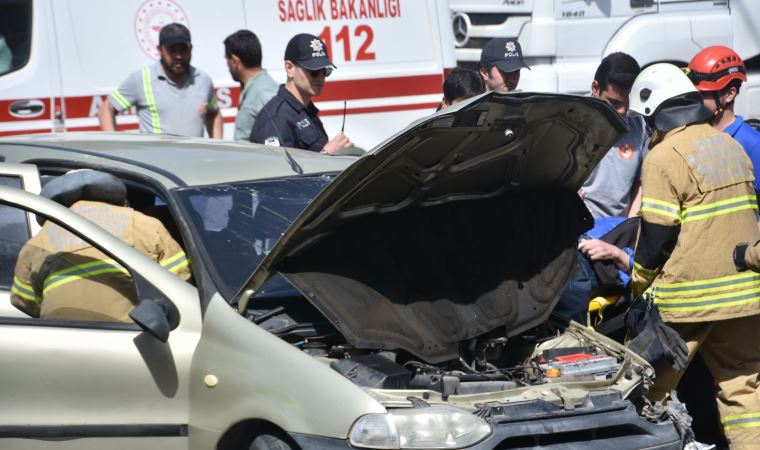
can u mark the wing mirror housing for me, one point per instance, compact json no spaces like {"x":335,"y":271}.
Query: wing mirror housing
{"x":157,"y":317}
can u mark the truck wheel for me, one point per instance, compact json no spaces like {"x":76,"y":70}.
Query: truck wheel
{"x":270,"y":442}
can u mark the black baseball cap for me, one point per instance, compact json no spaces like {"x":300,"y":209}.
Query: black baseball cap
{"x":308,"y":51}
{"x":504,"y":53}
{"x":174,"y":33}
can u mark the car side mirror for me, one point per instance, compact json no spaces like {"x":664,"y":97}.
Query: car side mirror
{"x":157,"y":317}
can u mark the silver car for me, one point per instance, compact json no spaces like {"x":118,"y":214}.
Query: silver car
{"x":400,"y":300}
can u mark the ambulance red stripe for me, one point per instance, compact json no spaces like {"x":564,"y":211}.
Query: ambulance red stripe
{"x":80,"y":106}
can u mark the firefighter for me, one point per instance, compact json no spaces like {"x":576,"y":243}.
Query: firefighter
{"x":718,"y":73}
{"x":60,"y":276}
{"x":698,"y":200}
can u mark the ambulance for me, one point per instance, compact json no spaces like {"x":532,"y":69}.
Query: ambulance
{"x":60,"y":58}
{"x":564,"y":40}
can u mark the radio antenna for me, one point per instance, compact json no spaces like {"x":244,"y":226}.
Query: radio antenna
{"x":343,"y":125}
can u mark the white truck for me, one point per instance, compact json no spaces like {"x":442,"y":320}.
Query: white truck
{"x":59,"y":58}
{"x":564,"y":40}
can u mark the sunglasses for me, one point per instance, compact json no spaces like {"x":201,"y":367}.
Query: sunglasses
{"x":326,"y":71}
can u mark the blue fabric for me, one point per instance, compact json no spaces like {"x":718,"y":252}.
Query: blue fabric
{"x":749,"y":138}
{"x":573,"y":304}
{"x":604,"y":225}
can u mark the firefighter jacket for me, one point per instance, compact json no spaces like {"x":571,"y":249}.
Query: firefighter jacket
{"x":60,"y":276}
{"x":698,"y":201}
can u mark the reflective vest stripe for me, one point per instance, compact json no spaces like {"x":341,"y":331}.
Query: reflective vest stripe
{"x":666,"y":209}
{"x":744,"y":280}
{"x":727,"y":206}
{"x":176,"y":262}
{"x":81,"y":271}
{"x":709,"y":302}
{"x":643,"y":271}
{"x":148,"y":89}
{"x":121,"y":100}
{"x":741,"y":421}
{"x":24,"y":291}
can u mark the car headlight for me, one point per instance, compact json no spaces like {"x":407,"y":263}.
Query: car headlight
{"x":435,"y":427}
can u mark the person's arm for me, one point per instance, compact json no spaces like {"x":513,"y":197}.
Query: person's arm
{"x":107,"y":116}
{"x":635,"y":207}
{"x":215,"y":124}
{"x":336,"y":143}
{"x":660,"y":219}
{"x":120,"y":99}
{"x":597,"y":250}
{"x":24,"y":296}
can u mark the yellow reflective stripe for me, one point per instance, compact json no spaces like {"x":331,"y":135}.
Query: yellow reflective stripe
{"x":81,"y":271}
{"x":648,"y":273}
{"x":148,"y":89}
{"x":24,"y":290}
{"x":121,"y":100}
{"x":176,"y":262}
{"x":741,"y":421}
{"x":709,"y":302}
{"x":654,"y":206}
{"x":706,"y":286}
{"x":722,"y":207}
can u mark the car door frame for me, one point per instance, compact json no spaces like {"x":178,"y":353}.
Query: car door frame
{"x":74,"y":384}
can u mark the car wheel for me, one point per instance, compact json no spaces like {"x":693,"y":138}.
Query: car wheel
{"x":271,"y":442}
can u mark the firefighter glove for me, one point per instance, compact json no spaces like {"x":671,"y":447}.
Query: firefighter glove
{"x":739,"y":251}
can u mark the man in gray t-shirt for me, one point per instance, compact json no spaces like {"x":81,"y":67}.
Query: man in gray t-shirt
{"x":170,"y":96}
{"x":614,"y":187}
{"x":242,"y":50}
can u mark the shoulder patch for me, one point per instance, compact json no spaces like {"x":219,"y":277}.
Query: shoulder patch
{"x":272,"y":141}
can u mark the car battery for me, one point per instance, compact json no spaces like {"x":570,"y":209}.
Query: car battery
{"x":581,"y":364}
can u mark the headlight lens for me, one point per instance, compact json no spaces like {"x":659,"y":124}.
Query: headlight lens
{"x":436,"y":427}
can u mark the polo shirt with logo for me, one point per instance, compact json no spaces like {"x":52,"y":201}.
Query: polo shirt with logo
{"x":608,"y":189}
{"x":163,"y":106}
{"x":286,"y":122}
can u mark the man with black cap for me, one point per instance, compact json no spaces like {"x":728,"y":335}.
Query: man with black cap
{"x":170,"y":96}
{"x":500,"y":64}
{"x":290,"y":118}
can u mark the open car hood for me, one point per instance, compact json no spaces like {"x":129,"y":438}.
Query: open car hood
{"x":464,"y":222}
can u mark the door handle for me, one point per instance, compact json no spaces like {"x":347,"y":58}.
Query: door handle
{"x":26,"y":108}
{"x":642,"y":3}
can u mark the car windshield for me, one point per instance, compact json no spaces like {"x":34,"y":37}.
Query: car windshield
{"x":237,"y":224}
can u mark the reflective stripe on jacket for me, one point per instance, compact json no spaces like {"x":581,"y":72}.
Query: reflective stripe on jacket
{"x":59,"y":276}
{"x":699,"y":181}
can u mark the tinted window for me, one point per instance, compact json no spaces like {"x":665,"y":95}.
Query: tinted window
{"x":15,"y":34}
{"x":14,"y":232}
{"x":238,"y":224}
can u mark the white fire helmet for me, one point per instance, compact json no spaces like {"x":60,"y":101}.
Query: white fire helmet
{"x":656,"y":84}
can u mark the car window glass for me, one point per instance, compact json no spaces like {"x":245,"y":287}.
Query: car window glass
{"x":237,"y":224}
{"x":15,"y":34}
{"x":14,"y":232}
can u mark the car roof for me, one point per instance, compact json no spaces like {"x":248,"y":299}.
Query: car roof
{"x":175,"y":161}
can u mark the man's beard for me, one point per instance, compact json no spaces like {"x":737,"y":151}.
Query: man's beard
{"x":176,"y":71}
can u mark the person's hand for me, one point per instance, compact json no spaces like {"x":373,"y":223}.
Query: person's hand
{"x":596,"y":250}
{"x":581,"y":194}
{"x":339,"y":141}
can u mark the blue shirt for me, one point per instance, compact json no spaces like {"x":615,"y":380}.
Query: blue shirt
{"x":749,"y":138}
{"x":604,"y":225}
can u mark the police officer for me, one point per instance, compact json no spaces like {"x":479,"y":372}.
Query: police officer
{"x":59,"y":276}
{"x":698,"y":200}
{"x":500,"y":64}
{"x":290,"y":118}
